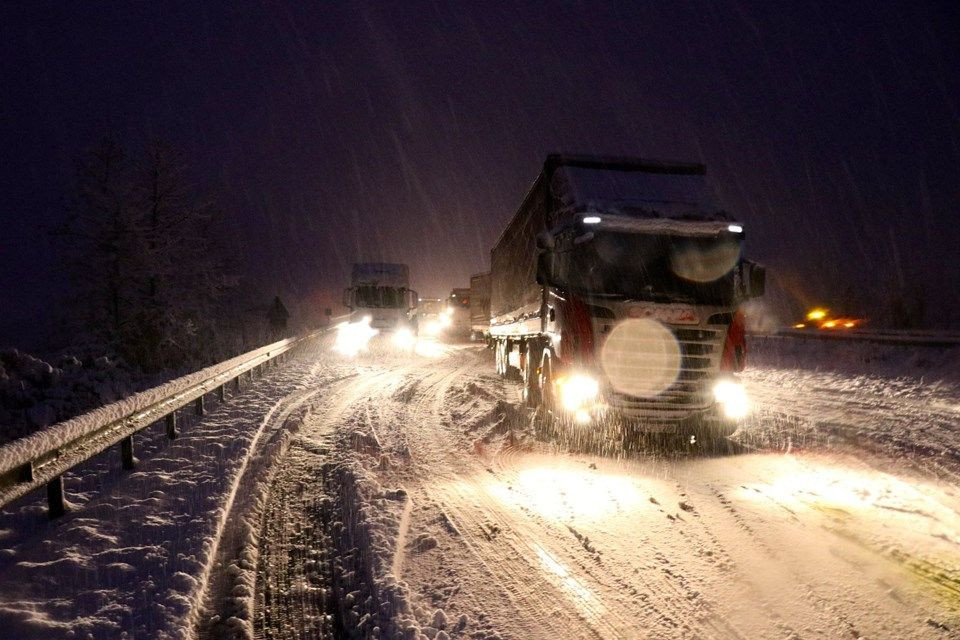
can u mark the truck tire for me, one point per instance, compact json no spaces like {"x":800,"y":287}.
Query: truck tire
{"x":531,"y":374}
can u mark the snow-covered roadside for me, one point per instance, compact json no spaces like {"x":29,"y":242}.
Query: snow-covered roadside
{"x":899,"y":402}
{"x":932,"y":365}
{"x":131,"y":562}
{"x":35,"y":394}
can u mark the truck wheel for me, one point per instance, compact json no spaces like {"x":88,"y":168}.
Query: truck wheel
{"x":531,"y":374}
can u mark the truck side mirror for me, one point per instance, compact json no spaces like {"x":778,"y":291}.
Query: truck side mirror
{"x":348,"y":298}
{"x":413,"y":299}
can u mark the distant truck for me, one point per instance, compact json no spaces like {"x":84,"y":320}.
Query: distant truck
{"x":480,"y":306}
{"x":615,"y":294}
{"x":458,"y":311}
{"x":381,"y":291}
{"x":429,"y":317}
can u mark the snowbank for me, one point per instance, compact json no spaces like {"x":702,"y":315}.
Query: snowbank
{"x":35,"y":394}
{"x":931,"y":364}
{"x":22,"y":451}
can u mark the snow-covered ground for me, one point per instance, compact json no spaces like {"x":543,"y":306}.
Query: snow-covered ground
{"x":132,"y":556}
{"x":406,"y":497}
{"x":451,"y":521}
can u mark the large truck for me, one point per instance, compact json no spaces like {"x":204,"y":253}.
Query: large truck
{"x":430,"y":317}
{"x":381,"y":292}
{"x":480,"y":306}
{"x":615,"y":295}
{"x":458,"y":313}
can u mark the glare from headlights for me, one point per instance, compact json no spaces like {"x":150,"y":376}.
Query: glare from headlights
{"x":577,"y":391}
{"x":352,"y":337}
{"x":445,"y":319}
{"x":432,"y":328}
{"x":732,"y":398}
{"x":404,"y":339}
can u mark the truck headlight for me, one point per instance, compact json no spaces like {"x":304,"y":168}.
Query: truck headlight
{"x":352,"y":337}
{"x":403,"y":338}
{"x":732,"y":398}
{"x":577,"y":391}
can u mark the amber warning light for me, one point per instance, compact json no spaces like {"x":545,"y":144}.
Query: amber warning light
{"x":820,"y":318}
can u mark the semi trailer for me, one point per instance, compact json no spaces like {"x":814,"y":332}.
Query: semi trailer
{"x":480,"y":306}
{"x":615,"y":294}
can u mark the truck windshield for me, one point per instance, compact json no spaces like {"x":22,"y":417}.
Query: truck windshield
{"x":658,"y":268}
{"x":379,"y":297}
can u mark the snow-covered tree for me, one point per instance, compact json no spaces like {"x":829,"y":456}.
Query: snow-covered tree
{"x":142,"y":250}
{"x":104,"y":241}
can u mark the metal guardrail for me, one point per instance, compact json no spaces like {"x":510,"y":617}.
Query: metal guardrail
{"x":42,"y":458}
{"x":895,"y":338}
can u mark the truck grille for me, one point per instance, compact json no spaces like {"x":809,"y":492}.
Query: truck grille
{"x":699,"y":356}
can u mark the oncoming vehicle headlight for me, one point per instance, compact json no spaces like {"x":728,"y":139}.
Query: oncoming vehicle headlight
{"x":404,"y":338}
{"x":352,"y":337}
{"x":732,"y":398}
{"x":577,"y":391}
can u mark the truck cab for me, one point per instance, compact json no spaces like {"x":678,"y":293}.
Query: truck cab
{"x":616,"y":293}
{"x":380,"y":292}
{"x":458,"y":312}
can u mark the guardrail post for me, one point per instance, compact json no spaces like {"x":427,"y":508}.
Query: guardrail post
{"x":25,"y":473}
{"x":199,"y":406}
{"x":56,"y":506}
{"x":127,"y":461}
{"x":222,"y":392}
{"x":236,"y":384}
{"x":172,"y":425}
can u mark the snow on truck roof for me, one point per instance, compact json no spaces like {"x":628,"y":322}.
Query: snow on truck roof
{"x":667,"y":226}
{"x":632,"y":187}
{"x":384,"y":273}
{"x":602,"y":187}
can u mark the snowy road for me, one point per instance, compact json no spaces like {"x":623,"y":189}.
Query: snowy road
{"x":838,"y":517}
{"x":406,"y":496}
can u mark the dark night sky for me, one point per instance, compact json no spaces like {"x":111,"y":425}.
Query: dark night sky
{"x":410,"y":131}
